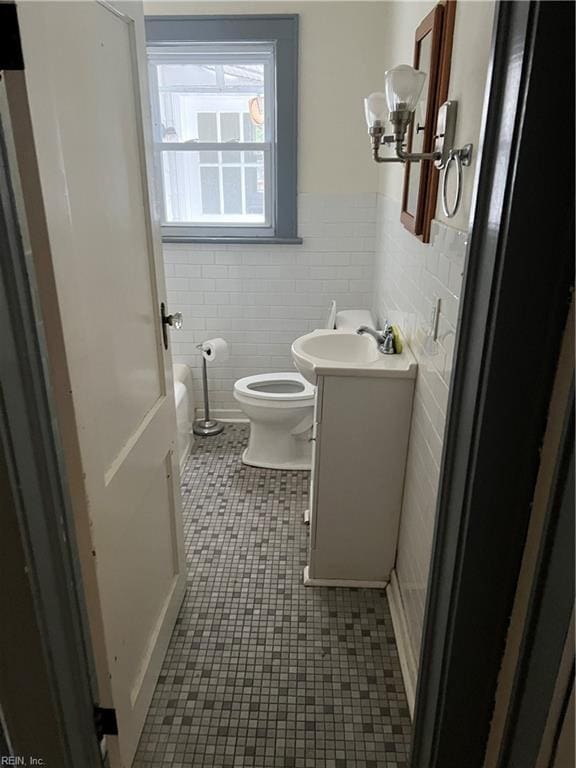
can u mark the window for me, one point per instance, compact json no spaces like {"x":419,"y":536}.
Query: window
{"x":223,"y":95}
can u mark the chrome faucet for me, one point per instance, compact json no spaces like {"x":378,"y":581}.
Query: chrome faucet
{"x":384,"y":339}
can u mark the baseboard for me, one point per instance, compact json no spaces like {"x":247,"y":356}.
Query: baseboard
{"x":408,"y":663}
{"x":350,"y":583}
{"x":229,"y":415}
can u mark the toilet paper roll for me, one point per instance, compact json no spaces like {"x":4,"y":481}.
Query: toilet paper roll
{"x":215,"y":349}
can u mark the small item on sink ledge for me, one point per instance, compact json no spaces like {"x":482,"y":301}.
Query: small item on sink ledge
{"x":397,"y":339}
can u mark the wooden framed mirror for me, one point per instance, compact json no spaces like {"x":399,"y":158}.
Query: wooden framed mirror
{"x":432,"y":54}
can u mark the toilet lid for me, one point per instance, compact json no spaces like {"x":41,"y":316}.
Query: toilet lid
{"x":275,"y":386}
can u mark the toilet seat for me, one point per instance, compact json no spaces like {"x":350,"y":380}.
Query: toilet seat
{"x":275,"y":388}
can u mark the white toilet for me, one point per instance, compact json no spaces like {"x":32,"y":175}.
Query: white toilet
{"x":280,"y":407}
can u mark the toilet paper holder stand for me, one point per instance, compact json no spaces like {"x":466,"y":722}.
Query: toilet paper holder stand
{"x":206,"y":427}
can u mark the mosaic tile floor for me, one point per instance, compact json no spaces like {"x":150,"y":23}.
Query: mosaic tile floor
{"x":262,"y":671}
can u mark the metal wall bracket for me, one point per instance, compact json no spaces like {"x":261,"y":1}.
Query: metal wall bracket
{"x":445,"y":132}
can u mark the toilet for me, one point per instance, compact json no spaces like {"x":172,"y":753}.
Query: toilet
{"x":280,"y":407}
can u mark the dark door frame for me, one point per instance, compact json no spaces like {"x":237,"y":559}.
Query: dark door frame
{"x":516,"y":297}
{"x":549,"y":621}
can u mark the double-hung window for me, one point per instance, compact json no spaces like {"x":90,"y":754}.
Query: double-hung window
{"x":224,"y":109}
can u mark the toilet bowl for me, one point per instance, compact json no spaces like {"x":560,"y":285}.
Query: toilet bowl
{"x":280,"y":407}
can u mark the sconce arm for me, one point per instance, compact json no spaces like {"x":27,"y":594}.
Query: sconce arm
{"x":415,"y":157}
{"x":378,"y":138}
{"x":379,"y":159}
{"x":401,"y":156}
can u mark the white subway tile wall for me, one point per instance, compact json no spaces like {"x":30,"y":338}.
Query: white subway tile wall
{"x":408,"y":278}
{"x":260,"y":298}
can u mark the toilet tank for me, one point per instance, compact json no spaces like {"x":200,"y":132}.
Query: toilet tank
{"x":352,"y":319}
{"x":329,"y":320}
{"x":346,"y":319}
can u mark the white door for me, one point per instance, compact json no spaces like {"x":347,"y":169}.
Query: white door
{"x":85,"y":70}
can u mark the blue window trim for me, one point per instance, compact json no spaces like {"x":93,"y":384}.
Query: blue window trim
{"x":282,"y":29}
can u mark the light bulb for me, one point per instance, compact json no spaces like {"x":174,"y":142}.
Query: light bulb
{"x":403,"y":86}
{"x":376,"y":109}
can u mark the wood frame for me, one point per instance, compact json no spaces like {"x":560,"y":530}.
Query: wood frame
{"x":442,"y":95}
{"x":439,"y":22}
{"x":501,"y":386}
{"x":432,"y":25}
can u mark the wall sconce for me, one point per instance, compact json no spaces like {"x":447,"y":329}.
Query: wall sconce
{"x":403,"y":87}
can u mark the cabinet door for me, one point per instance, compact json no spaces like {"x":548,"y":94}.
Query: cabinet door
{"x":361,"y":447}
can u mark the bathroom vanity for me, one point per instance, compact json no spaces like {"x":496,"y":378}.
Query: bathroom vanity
{"x":360,"y":436}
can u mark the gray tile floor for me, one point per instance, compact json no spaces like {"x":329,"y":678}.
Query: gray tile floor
{"x":262,"y":671}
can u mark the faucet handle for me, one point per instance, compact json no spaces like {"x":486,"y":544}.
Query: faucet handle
{"x":387,"y":347}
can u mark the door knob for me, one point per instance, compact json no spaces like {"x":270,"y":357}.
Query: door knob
{"x":175,"y":321}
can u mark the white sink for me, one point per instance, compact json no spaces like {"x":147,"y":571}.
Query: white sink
{"x":343,"y":347}
{"x":347,"y":354}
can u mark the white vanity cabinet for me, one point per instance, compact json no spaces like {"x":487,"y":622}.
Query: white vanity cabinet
{"x":360,"y":435}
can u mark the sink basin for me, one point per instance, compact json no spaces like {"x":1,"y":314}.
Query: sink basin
{"x":340,"y":347}
{"x":345,"y":353}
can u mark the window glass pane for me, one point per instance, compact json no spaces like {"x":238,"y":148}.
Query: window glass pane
{"x":230,"y":132}
{"x":231,"y":158}
{"x":253,"y":132}
{"x":205,"y":194}
{"x":229,"y":126}
{"x":243,"y":75}
{"x":177,"y":75}
{"x":208,"y":131}
{"x":253,"y":158}
{"x":188,"y":90}
{"x":180,"y":198}
{"x":232,"y":181}
{"x":254,"y":190}
{"x":207,"y":126}
{"x":177,"y":85}
{"x":210,"y":189}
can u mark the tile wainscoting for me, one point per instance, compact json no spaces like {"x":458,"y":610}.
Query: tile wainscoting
{"x":408,"y":278}
{"x":261,"y":297}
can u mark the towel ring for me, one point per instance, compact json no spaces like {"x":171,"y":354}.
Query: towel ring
{"x":461,"y":157}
